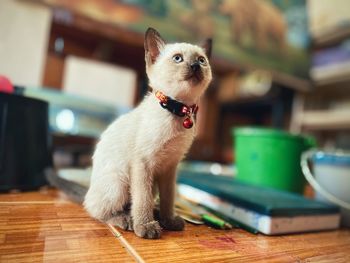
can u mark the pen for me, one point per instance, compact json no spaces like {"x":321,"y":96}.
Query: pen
{"x":236,"y":223}
{"x":207,"y":219}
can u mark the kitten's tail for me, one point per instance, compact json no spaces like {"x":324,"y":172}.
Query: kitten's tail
{"x":75,"y":191}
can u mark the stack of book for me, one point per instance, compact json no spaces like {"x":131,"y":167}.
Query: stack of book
{"x":331,"y":64}
{"x":258,"y":209}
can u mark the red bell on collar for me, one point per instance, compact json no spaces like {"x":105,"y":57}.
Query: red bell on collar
{"x":188,"y":123}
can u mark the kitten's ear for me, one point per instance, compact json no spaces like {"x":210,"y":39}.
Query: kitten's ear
{"x":206,"y":45}
{"x":154,"y":43}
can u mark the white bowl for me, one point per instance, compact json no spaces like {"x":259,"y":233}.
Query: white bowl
{"x":331,"y":179}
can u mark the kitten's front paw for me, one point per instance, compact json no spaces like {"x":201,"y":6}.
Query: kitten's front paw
{"x":175,"y":224}
{"x":150,"y":230}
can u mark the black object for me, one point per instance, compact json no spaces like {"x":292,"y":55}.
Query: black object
{"x":25,"y":142}
{"x":174,"y":106}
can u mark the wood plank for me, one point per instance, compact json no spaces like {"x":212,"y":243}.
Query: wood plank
{"x":44,"y":194}
{"x":326,"y":120}
{"x":45,"y":226}
{"x":53,"y":73}
{"x":203,"y":244}
{"x":331,"y":36}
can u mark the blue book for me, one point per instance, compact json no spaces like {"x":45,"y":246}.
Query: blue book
{"x":265,"y":210}
{"x":333,"y":55}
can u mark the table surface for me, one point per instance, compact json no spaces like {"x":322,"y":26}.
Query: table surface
{"x":46,"y":227}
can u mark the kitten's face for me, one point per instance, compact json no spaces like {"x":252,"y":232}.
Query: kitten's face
{"x":180,"y":70}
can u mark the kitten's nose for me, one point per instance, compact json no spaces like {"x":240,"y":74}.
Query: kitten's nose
{"x":195,"y":66}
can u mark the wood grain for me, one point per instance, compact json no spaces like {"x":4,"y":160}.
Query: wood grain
{"x":46,"y":227}
{"x":203,"y":244}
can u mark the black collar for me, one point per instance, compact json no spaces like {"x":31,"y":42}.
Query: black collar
{"x":178,"y":108}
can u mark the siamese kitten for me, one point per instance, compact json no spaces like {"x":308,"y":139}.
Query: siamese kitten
{"x":138,"y":153}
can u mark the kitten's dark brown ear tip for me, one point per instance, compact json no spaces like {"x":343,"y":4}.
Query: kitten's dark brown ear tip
{"x":152,"y":32}
{"x":207,"y":46}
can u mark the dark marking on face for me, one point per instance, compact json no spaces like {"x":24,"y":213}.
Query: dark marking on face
{"x":194,"y":71}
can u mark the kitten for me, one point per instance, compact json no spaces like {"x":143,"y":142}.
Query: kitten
{"x":139,"y":152}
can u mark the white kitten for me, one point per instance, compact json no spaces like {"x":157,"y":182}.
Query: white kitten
{"x":140,"y":151}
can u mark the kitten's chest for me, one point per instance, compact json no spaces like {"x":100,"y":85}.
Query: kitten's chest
{"x":167,"y":138}
{"x":172,"y":151}
{"x":161,"y":138}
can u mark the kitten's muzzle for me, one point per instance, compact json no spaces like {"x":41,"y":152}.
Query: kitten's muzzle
{"x":195,"y":66}
{"x":194,"y":72}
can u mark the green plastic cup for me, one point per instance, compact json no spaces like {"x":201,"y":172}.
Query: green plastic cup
{"x":270,"y":158}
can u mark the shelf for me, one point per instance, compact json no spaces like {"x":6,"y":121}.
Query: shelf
{"x":326,"y":120}
{"x":341,"y":79}
{"x":222,"y":66}
{"x":331,"y":36}
{"x":331,"y":74}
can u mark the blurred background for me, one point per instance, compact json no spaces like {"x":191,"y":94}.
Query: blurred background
{"x":280,"y":64}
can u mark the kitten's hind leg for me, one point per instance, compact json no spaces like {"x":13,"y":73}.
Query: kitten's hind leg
{"x":122,"y":219}
{"x":109,"y":198}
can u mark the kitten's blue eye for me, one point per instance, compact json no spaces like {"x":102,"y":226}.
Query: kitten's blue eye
{"x":178,"y":58}
{"x":202,"y":61}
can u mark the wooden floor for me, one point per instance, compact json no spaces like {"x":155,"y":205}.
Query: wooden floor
{"x":46,"y":227}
